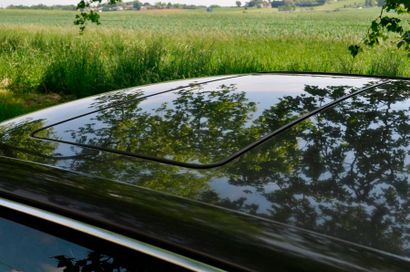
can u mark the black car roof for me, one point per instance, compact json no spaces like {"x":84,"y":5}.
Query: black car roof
{"x":199,"y":126}
{"x":340,"y":170}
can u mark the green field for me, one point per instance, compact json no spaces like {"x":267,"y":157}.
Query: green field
{"x":43,"y":59}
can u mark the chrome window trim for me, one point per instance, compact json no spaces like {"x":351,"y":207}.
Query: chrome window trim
{"x":112,"y":237}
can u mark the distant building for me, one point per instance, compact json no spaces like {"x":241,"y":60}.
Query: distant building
{"x":128,"y":6}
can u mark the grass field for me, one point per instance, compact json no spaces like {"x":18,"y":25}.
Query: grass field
{"x":43,"y":59}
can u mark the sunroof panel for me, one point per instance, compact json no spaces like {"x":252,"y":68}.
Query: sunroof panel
{"x":202,"y":124}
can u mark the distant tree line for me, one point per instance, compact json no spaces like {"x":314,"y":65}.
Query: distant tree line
{"x":258,"y":4}
{"x":41,"y":6}
{"x":374,"y":3}
{"x":134,"y":5}
{"x":283,"y":3}
{"x":138,"y":5}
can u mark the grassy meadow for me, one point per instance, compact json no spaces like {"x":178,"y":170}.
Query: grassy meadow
{"x":44,"y":60}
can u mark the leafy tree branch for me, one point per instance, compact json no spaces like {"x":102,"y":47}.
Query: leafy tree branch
{"x":88,"y":14}
{"x":384,"y":24}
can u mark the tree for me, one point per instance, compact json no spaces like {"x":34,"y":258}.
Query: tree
{"x":87,"y":12}
{"x":254,"y":3}
{"x":137,"y":5}
{"x":238,"y":4}
{"x":387,"y":22}
{"x":98,"y":261}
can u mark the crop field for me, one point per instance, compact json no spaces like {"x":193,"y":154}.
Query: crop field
{"x":44,"y":60}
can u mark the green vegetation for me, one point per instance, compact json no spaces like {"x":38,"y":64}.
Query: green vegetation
{"x":388,"y":25}
{"x":9,"y":109}
{"x":42,"y":53}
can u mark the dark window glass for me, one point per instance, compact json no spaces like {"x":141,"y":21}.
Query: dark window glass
{"x":23,"y":248}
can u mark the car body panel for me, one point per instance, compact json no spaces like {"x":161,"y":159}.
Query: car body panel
{"x":203,"y":232}
{"x":329,"y":191}
{"x":201,"y":125}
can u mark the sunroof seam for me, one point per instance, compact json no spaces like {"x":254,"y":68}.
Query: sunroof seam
{"x":194,"y":165}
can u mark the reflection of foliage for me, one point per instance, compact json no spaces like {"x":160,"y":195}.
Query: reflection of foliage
{"x":96,"y":262}
{"x":291,"y":107}
{"x":285,"y":155}
{"x":19,"y":135}
{"x":196,"y":124}
{"x":343,"y":172}
{"x":211,"y":122}
{"x":203,"y":125}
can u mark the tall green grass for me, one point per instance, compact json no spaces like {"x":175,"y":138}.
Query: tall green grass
{"x":37,"y":55}
{"x":62,"y":61}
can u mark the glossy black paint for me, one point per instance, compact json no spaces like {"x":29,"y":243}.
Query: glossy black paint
{"x":203,"y":125}
{"x":218,"y":236}
{"x":329,"y":192}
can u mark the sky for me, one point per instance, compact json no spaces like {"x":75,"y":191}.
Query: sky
{"x":5,"y":3}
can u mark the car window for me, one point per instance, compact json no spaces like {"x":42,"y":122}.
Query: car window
{"x":24,"y":248}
